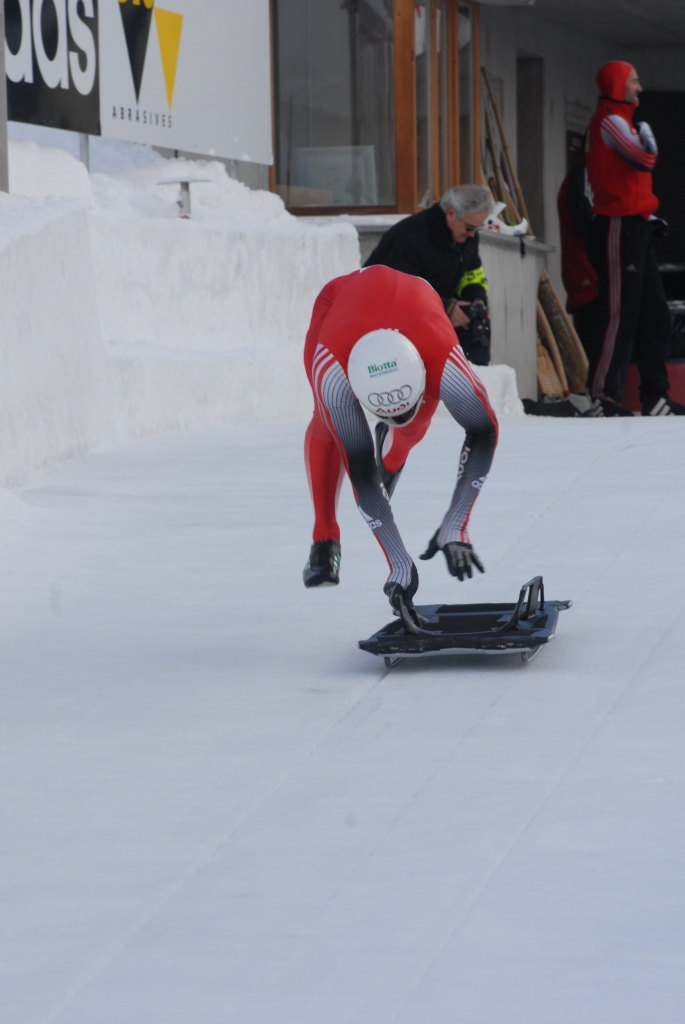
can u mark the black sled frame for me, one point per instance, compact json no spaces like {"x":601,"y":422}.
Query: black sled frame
{"x":521,"y":628}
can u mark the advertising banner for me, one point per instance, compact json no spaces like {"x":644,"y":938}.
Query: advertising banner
{"x":51,"y":63}
{"x":191,"y":75}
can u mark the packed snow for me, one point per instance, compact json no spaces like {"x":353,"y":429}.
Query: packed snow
{"x":121,"y":319}
{"x":217,"y":809}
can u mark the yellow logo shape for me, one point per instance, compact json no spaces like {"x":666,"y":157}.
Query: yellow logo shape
{"x":169,"y":26}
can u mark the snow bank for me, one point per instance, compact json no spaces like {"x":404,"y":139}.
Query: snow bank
{"x":242,"y":272}
{"x":54,"y":398}
{"x":158,"y":390}
{"x":500,"y":384}
{"x":46,"y":171}
{"x":121,"y":319}
{"x":204,"y":319}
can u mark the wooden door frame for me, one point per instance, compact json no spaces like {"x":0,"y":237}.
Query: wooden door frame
{"x":453,"y":79}
{"x":435,"y":102}
{"x":406,"y":153}
{"x":475,"y":70}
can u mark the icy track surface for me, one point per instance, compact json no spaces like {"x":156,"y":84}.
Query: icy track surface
{"x":216,"y":809}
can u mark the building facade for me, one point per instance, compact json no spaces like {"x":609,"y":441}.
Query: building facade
{"x":377,"y":104}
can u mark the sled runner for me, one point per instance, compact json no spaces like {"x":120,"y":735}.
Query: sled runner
{"x":521,"y":628}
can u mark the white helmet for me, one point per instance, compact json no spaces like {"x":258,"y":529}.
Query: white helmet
{"x":387,"y":375}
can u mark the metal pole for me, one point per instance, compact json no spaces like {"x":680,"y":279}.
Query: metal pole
{"x":4,"y":159}
{"x":84,"y":149}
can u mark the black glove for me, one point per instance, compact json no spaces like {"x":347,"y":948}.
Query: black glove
{"x":459,"y":557}
{"x":659,"y":227}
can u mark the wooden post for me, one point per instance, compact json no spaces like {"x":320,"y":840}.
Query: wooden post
{"x":520,"y":201}
{"x":475,"y":54}
{"x":435,"y":101}
{"x":406,"y":169}
{"x":512,"y":212}
{"x":572,"y":352}
{"x":550,"y":343}
{"x":453,"y":51}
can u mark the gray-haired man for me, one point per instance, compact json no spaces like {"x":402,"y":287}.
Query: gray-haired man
{"x":441,"y":245}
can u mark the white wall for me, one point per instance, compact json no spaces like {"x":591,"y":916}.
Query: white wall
{"x":54,"y":398}
{"x":189,"y":286}
{"x":512,"y":300}
{"x":660,"y":69}
{"x":571,"y":62}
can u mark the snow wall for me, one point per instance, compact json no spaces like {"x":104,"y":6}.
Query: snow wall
{"x":121,"y":320}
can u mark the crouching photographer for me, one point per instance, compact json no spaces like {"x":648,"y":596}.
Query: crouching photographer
{"x":441,"y":246}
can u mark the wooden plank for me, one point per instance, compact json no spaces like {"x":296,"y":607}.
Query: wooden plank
{"x":326,"y":211}
{"x":520,"y":200}
{"x":549,"y":385}
{"x":550,"y":343}
{"x":582,"y":355}
{"x":571,"y":351}
{"x":406,"y":168}
{"x":505,"y":197}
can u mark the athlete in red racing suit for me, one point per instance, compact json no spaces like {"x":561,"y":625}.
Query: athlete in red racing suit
{"x":339,"y":438}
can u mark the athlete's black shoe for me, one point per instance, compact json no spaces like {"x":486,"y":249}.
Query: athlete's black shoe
{"x":389,"y":479}
{"x":323,"y":566}
{"x":664,"y":407}
{"x":401,"y":599}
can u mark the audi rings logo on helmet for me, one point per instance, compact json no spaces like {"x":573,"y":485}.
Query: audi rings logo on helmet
{"x":382,"y":398}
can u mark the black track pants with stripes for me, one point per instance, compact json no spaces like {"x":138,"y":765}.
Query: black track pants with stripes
{"x":631,"y":310}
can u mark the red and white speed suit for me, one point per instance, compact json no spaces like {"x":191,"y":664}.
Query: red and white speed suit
{"x":339,"y":438}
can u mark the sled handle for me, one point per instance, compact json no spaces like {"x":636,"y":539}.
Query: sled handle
{"x":532,"y":596}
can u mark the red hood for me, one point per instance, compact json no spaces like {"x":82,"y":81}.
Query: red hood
{"x":611,"y":80}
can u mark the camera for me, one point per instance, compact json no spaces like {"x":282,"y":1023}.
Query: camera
{"x":475,"y":339}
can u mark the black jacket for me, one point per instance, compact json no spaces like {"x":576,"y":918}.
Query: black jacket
{"x":422,"y":245}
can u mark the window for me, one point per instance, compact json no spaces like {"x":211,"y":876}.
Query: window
{"x":374,"y":102}
{"x":335,"y":110}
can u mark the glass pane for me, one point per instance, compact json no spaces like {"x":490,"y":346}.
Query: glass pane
{"x":424,"y":141}
{"x":335,"y":111}
{"x":466,"y":165}
{"x":442,"y":35}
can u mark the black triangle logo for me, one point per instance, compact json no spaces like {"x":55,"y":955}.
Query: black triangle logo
{"x":136,"y":20}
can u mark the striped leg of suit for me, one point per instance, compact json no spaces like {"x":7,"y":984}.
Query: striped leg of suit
{"x":467,"y":401}
{"x":339,"y":410}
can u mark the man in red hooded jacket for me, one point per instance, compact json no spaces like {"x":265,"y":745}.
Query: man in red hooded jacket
{"x":632,"y":306}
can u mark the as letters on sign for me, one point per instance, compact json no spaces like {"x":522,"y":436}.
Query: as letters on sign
{"x":51,"y":61}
